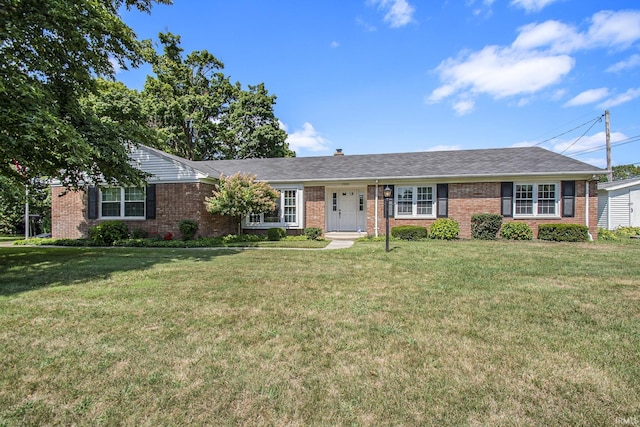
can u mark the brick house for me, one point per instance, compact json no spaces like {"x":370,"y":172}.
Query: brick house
{"x":345,"y":192}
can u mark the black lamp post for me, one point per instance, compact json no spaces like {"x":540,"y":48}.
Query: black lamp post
{"x":388,"y":208}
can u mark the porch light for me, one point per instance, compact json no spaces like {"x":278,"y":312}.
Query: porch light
{"x":387,"y":192}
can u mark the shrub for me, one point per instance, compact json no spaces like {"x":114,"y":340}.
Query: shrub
{"x":516,"y":231}
{"x":106,"y":233}
{"x":313,"y":233}
{"x":604,"y":234}
{"x":188,"y":229}
{"x":627,"y":231}
{"x":276,"y":233}
{"x":563,"y":232}
{"x":139,"y":233}
{"x":409,"y":232}
{"x":167,"y":236}
{"x":444,"y":229}
{"x":485,"y":226}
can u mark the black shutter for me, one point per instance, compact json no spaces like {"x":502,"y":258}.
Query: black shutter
{"x":442,"y":193}
{"x":568,"y":198}
{"x":506,"y":195}
{"x":92,"y":205}
{"x":151,"y":202}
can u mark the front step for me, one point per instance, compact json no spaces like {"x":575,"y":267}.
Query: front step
{"x":344,"y":235}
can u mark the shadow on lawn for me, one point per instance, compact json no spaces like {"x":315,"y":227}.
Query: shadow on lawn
{"x":24,"y":269}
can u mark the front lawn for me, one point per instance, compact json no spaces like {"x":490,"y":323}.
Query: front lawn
{"x":434,"y":332}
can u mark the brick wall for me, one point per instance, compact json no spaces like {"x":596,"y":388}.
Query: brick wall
{"x":314,"y":207}
{"x":471,"y":198}
{"x":174,"y":202}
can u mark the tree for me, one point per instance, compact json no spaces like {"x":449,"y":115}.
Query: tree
{"x":240,"y":195}
{"x":12,"y":204}
{"x":201,"y":115}
{"x":50,"y":54}
{"x":623,"y":172}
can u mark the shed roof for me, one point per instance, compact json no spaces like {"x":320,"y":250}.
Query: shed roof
{"x":622,"y":183}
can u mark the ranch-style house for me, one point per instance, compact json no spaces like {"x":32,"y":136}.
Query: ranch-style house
{"x":345,"y":192}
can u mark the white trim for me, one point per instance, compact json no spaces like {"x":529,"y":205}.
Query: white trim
{"x":535,"y":214}
{"x":414,"y":201}
{"x":122,"y":203}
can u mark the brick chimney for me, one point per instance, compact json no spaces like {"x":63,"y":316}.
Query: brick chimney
{"x":338,"y":152}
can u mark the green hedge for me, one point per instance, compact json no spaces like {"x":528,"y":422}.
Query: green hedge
{"x":516,"y":231}
{"x":313,"y":233}
{"x":276,"y":233}
{"x":444,"y":229}
{"x":409,"y":232}
{"x":108,"y":232}
{"x":188,"y":228}
{"x":563,"y":232}
{"x":485,"y":226}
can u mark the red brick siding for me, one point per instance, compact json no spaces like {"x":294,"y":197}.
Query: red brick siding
{"x":471,"y":198}
{"x":174,"y":202}
{"x":314,"y":207}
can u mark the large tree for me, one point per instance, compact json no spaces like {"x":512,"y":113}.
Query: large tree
{"x":50,"y":54}
{"x":201,"y":115}
{"x":623,"y":172}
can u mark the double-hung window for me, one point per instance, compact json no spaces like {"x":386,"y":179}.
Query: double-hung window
{"x":286,"y":212}
{"x":119,"y":202}
{"x":414,"y":201}
{"x":536,"y":199}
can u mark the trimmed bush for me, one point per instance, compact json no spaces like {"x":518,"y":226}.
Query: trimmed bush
{"x":444,"y":229}
{"x":563,"y":232}
{"x":139,"y":233}
{"x":313,"y":233}
{"x":108,"y":232}
{"x":276,"y":233}
{"x":516,"y":231}
{"x":409,"y":232}
{"x":604,"y":234}
{"x":188,"y":229}
{"x":485,"y":226}
{"x":627,"y":231}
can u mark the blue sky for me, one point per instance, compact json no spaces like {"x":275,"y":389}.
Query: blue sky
{"x":381,"y":76}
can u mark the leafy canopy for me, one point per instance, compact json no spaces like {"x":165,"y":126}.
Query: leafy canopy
{"x":240,"y":195}
{"x":201,"y":115}
{"x":50,"y":54}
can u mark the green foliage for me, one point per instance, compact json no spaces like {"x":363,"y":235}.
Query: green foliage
{"x":276,"y":233}
{"x":188,"y":228}
{"x":108,"y":232}
{"x":444,"y":229}
{"x":604,"y":234}
{"x":50,"y":55}
{"x":627,"y":231}
{"x":563,"y":232}
{"x":201,"y":115}
{"x":139,"y":233}
{"x":313,"y":233}
{"x":516,"y":231}
{"x":409,"y":232}
{"x":485,"y":226}
{"x":623,"y":172}
{"x":240,"y":195}
{"x":12,"y":201}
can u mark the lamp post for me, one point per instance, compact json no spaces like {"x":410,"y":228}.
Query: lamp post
{"x":388,"y":207}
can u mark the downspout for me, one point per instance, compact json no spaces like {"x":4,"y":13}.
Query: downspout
{"x":376,"y":210}
{"x":586,"y":204}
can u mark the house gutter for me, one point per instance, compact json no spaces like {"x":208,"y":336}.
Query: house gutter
{"x":376,"y":211}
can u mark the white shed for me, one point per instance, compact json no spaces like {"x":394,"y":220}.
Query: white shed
{"x":619,"y":204}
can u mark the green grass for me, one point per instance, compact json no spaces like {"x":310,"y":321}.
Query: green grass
{"x":10,"y":238}
{"x":432,"y":333}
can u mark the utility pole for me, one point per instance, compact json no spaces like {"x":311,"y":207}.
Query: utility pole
{"x":608,"y":139}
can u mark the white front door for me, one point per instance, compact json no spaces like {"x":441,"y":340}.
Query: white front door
{"x":346,"y":209}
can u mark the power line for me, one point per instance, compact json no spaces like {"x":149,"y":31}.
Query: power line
{"x":595,"y":120}
{"x":585,"y":132}
{"x":602,"y":147}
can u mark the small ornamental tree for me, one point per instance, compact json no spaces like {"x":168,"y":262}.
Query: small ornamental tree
{"x":240,"y":195}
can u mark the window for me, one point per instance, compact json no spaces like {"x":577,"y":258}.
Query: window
{"x":536,"y":200}
{"x":117,"y":202}
{"x":414,"y":201}
{"x":286,"y":212}
{"x":361,"y":202}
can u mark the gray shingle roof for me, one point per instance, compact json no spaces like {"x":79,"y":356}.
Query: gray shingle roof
{"x":433,"y":164}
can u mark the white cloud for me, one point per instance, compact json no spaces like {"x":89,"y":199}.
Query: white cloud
{"x":595,"y":141}
{"x":335,"y":44}
{"x":398,"y":13}
{"x":307,"y":138}
{"x":615,"y":29}
{"x":444,"y":148}
{"x":632,"y":62}
{"x":588,"y":97}
{"x":538,"y":58}
{"x":532,"y":5}
{"x":464,"y":106}
{"x":629,"y":95}
{"x":116,"y":66}
{"x":369,"y":28}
